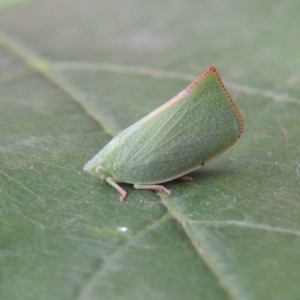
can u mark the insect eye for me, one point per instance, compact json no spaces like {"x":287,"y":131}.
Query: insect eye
{"x":98,"y":169}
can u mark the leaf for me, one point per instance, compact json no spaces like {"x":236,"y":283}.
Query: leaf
{"x":73,"y":74}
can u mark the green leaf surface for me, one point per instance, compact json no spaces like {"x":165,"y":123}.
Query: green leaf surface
{"x":73,"y":74}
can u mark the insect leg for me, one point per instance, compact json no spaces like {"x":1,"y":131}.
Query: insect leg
{"x":122,"y":192}
{"x":152,"y":187}
{"x":186,"y":178}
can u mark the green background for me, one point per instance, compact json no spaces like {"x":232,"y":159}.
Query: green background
{"x":72,"y":74}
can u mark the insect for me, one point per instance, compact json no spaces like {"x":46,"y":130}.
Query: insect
{"x":177,"y":138}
